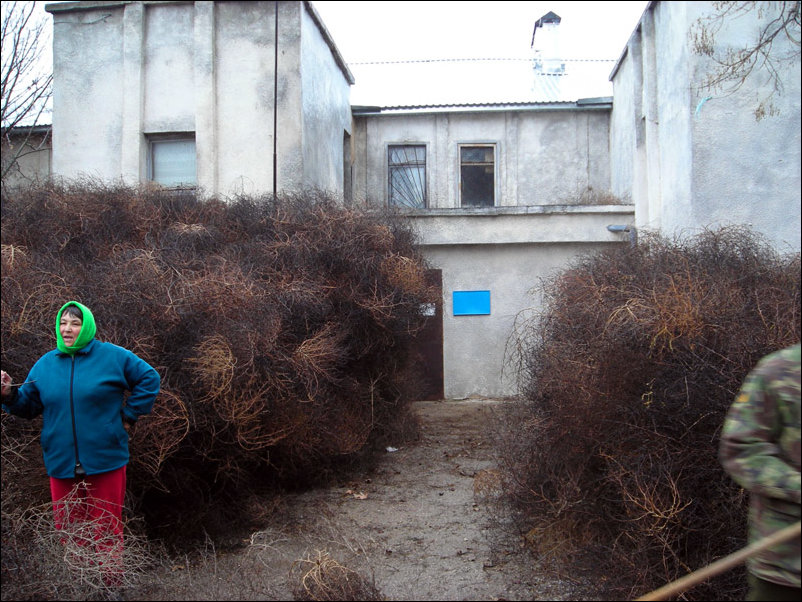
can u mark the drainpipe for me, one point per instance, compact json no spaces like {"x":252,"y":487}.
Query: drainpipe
{"x":275,"y":102}
{"x":633,"y":232}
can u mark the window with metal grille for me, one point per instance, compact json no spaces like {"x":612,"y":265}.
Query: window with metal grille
{"x":477,"y":182}
{"x":407,"y":175}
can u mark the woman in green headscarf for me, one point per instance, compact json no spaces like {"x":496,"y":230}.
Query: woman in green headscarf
{"x":89,"y":393}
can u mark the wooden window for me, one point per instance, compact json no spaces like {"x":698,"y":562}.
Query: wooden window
{"x":477,"y":172}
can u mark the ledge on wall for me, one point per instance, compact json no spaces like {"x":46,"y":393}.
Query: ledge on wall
{"x":521,"y":225}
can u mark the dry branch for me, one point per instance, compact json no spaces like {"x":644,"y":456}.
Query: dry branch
{"x":626,"y":377}
{"x":281,"y":327}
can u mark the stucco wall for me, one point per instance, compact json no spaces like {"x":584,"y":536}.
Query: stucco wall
{"x":324,"y":121}
{"x":167,"y":74}
{"x":693,"y":158}
{"x":543,"y":157}
{"x":32,"y":165}
{"x":626,"y":126}
{"x":477,"y":350}
{"x":751,"y":174}
{"x":505,"y":251}
{"x":544,"y":160}
{"x":88,"y":93}
{"x":244,"y":91}
{"x":668,"y":101}
{"x":126,"y":70}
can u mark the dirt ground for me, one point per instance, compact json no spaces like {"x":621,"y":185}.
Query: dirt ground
{"x":419,"y":526}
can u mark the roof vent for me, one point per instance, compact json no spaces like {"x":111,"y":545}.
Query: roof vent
{"x":548,"y":56}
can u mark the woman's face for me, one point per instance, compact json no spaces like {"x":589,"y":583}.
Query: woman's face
{"x":70,"y":328}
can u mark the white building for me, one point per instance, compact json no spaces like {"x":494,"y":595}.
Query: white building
{"x":691,"y":157}
{"x":503,"y":188}
{"x":199,"y":93}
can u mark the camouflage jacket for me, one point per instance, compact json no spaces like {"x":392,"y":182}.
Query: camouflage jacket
{"x":760,"y":449}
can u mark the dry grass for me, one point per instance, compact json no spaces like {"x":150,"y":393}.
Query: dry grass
{"x":71,"y":563}
{"x":321,"y":577}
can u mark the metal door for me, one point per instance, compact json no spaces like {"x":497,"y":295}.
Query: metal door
{"x":428,"y":345}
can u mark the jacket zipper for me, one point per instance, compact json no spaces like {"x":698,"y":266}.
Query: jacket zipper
{"x":79,"y":470}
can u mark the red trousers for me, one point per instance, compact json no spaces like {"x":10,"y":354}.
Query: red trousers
{"x":89,"y":513}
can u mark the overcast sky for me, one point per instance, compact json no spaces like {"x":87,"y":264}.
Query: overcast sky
{"x":381,"y":31}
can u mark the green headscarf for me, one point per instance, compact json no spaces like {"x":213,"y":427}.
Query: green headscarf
{"x":88,"y":329}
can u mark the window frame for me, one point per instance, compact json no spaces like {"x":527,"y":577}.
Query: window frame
{"x":156,"y":139}
{"x":391,"y":167}
{"x":486,"y":145}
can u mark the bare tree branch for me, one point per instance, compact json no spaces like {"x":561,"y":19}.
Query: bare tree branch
{"x":768,"y":51}
{"x":26,"y":84}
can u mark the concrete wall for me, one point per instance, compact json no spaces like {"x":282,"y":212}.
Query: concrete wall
{"x":31,"y":151}
{"x":126,"y":70}
{"x":543,"y":157}
{"x":507,"y":252}
{"x":693,"y":158}
{"x":88,"y":93}
{"x":325,"y":123}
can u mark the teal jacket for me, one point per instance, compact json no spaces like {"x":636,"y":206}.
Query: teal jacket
{"x":83,"y":396}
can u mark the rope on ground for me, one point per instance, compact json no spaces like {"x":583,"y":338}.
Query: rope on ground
{"x":723,"y":564}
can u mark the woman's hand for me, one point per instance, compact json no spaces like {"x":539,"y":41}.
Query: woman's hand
{"x":5,"y":381}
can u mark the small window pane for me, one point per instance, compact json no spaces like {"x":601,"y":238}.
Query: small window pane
{"x":173,"y":162}
{"x":400,"y":155}
{"x":407,"y":174}
{"x":477,"y":155}
{"x":477,"y":176}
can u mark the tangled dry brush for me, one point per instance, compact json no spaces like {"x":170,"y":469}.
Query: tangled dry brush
{"x":626,"y":378}
{"x":281,"y":329}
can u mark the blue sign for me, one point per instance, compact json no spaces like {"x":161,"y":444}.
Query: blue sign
{"x":471,"y":303}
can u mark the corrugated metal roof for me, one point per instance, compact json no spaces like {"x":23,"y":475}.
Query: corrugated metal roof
{"x":601,"y":103}
{"x":466,"y":82}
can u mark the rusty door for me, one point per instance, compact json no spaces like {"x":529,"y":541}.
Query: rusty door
{"x":428,"y":345}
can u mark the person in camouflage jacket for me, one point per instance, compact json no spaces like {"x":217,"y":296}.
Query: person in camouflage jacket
{"x":760,"y":450}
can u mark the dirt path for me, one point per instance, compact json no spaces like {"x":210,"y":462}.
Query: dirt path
{"x":418,"y":525}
